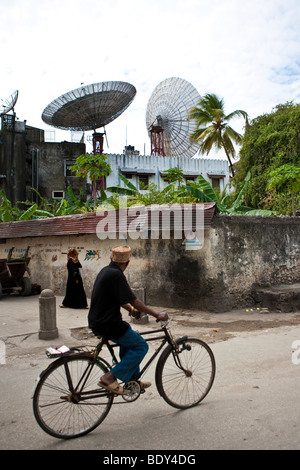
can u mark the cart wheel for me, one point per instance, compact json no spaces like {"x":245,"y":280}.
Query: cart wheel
{"x":25,"y":283}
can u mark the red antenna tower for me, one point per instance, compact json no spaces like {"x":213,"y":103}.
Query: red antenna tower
{"x":98,"y":143}
{"x":157,"y":141}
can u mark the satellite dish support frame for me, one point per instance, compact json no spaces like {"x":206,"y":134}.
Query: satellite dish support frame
{"x":157,"y":141}
{"x":98,"y":139}
{"x":98,"y":143}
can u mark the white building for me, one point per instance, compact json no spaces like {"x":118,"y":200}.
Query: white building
{"x":145,"y":169}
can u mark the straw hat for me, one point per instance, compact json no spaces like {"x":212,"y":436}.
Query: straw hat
{"x":121,"y":254}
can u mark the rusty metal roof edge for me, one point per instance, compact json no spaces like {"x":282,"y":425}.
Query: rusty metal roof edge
{"x":76,"y":224}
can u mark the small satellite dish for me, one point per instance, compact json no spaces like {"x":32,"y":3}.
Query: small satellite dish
{"x":168,"y":114}
{"x":9,"y":103}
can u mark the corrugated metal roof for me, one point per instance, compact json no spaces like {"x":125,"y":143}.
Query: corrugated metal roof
{"x":124,"y":220}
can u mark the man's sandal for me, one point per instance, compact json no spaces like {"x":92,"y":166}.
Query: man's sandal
{"x":145,"y":385}
{"x":114,"y":387}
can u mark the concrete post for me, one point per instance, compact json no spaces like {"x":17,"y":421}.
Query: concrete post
{"x":140,"y":294}
{"x":47,"y":309}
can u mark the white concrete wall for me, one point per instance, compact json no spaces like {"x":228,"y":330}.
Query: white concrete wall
{"x":196,"y":166}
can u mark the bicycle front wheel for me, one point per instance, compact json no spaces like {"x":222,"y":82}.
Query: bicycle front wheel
{"x":67,"y":402}
{"x":184,"y":377}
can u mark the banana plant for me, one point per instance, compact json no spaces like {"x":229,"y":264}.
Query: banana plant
{"x":6,"y":209}
{"x":202,"y":191}
{"x":153,"y":195}
{"x":9,"y":213}
{"x":129,"y":190}
{"x":29,"y":213}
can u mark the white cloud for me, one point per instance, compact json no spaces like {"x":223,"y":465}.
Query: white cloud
{"x":246,"y":52}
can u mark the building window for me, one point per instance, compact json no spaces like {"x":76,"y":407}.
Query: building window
{"x":215,"y":182}
{"x":68,"y":164}
{"x":58,"y":194}
{"x":189,"y":178}
{"x":143,"y":181}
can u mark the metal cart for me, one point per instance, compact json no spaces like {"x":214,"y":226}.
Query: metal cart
{"x":12,"y":271}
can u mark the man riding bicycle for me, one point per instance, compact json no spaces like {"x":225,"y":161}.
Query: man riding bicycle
{"x":110,"y":292}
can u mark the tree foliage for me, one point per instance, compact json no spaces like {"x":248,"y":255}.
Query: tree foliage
{"x":286,"y":177}
{"x":270,"y":141}
{"x":213,"y":129}
{"x":93,"y":167}
{"x":195,"y":191}
{"x":46,"y":207}
{"x":173,"y":175}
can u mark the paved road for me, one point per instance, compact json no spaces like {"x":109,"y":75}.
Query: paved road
{"x":254,"y":403}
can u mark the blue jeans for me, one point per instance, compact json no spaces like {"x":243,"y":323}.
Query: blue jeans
{"x":133,"y":349}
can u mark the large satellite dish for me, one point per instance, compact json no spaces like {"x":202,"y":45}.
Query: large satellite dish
{"x":90,"y":106}
{"x":9,"y":103}
{"x":167,"y":121}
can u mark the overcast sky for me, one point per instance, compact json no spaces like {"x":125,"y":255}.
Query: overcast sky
{"x":246,"y":51}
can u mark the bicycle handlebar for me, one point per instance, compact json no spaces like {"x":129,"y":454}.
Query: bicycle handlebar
{"x":163,"y":324}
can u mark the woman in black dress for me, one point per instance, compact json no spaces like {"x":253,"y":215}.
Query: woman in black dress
{"x":75,"y":295}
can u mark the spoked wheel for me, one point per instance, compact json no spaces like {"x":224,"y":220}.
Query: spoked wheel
{"x":67,"y":401}
{"x":183,"y":379}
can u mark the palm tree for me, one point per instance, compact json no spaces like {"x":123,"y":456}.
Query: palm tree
{"x":212,"y":126}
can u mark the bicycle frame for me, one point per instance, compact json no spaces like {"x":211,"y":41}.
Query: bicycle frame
{"x":77,"y":389}
{"x":73,"y":377}
{"x":166,"y":338}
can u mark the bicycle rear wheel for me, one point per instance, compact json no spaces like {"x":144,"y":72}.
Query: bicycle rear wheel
{"x":67,"y":402}
{"x":185,"y":377}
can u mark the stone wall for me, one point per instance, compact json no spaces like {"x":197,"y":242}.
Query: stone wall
{"x":239,"y":253}
{"x":51,"y":158}
{"x":253,"y":251}
{"x":27,"y":161}
{"x":12,"y":162}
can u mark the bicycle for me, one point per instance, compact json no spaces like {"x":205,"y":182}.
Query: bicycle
{"x":68,"y":403}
